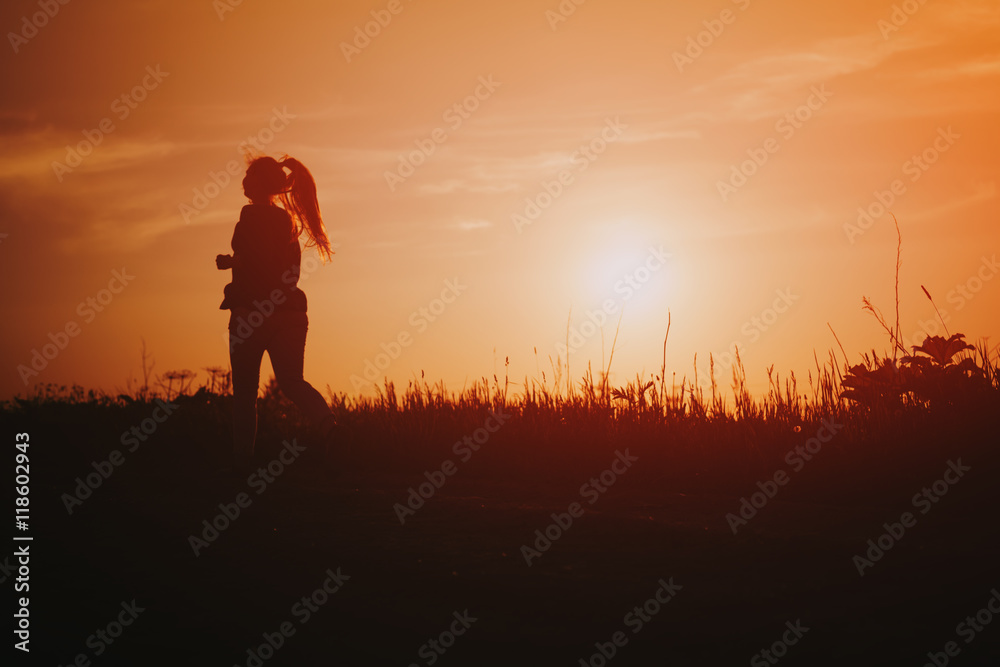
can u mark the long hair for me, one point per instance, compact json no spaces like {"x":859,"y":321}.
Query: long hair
{"x":297,"y":193}
{"x":299,"y":199}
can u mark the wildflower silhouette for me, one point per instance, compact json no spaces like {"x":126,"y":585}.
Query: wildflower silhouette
{"x":931,"y":376}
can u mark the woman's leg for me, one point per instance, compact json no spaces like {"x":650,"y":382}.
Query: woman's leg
{"x":287,"y":351}
{"x":245,"y":355}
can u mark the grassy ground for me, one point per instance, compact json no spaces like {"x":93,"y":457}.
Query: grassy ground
{"x":664,"y":523}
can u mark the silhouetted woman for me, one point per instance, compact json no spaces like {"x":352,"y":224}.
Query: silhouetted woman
{"x":268,"y":308}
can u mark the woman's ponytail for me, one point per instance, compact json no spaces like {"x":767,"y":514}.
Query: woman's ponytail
{"x":299,"y":199}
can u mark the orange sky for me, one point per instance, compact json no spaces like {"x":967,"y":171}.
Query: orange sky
{"x":838,"y":103}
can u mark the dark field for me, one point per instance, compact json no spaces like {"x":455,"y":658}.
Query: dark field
{"x":655,"y":527}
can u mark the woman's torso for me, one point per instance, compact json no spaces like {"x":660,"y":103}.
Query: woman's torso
{"x":267,"y":260}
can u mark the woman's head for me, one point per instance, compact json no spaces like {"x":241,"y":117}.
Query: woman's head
{"x":266,"y":178}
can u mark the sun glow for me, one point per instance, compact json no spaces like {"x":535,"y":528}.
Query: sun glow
{"x":625,"y":261}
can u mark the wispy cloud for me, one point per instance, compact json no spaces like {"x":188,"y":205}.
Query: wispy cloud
{"x":454,"y":185}
{"x":472,"y":225}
